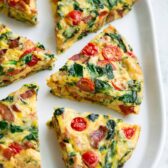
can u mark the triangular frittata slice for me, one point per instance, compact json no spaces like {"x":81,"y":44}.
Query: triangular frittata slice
{"x":19,"y":143}
{"x":94,"y":140}
{"x":20,"y":56}
{"x":106,"y":71}
{"x":76,"y":18}
{"x":22,"y":10}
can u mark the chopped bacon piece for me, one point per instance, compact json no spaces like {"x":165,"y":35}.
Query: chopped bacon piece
{"x":127,"y":109}
{"x":97,"y":136}
{"x":27,"y":94}
{"x":15,"y":108}
{"x":14,"y":43}
{"x":6,"y":113}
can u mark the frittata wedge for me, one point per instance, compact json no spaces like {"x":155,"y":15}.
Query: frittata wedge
{"x":19,"y":143}
{"x":106,"y":71}
{"x":20,"y":56}
{"x":90,"y":140}
{"x":76,"y":18}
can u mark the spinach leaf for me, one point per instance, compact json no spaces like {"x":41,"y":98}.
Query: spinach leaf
{"x":1,"y":136}
{"x":31,"y":86}
{"x":95,"y":70}
{"x":5,"y":36}
{"x":59,"y":26}
{"x":101,"y":85}
{"x":12,"y":62}
{"x":83,"y":34}
{"x":112,"y":3}
{"x":109,"y":71}
{"x":64,"y":68}
{"x":27,"y":58}
{"x":33,"y":134}
{"x":97,"y":3}
{"x":41,"y":46}
{"x":9,"y":99}
{"x":70,"y":32}
{"x":93,"y":117}
{"x":119,"y":40}
{"x":129,"y":98}
{"x":93,"y":15}
{"x":77,"y":6}
{"x":15,"y":128}
{"x":50,"y":55}
{"x":1,"y":70}
{"x":3,"y":125}
{"x":76,"y":70}
{"x":111,"y":152}
{"x":58,"y":111}
{"x":134,"y":85}
{"x":111,"y":129}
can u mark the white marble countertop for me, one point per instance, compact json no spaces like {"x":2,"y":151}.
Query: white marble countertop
{"x":160,"y":11}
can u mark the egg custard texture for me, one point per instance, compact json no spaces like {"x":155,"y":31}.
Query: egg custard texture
{"x":20,"y":56}
{"x":19,"y":143}
{"x":22,"y":10}
{"x":76,"y":18}
{"x":91,"y":140}
{"x":106,"y":71}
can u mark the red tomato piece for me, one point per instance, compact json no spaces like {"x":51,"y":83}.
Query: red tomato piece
{"x":90,"y":159}
{"x":33,"y":61}
{"x":76,"y":16}
{"x":79,"y":124}
{"x":127,"y":109}
{"x":13,"y":149}
{"x":112,"y":53}
{"x":131,"y":54}
{"x":118,"y":85}
{"x":28,"y":51}
{"x":86,"y":85}
{"x":90,"y":49}
{"x":97,"y":136}
{"x":129,"y":132}
{"x":12,"y":2}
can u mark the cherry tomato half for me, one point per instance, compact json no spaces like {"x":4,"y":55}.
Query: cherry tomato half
{"x":76,"y":16}
{"x":112,"y":53}
{"x":90,"y":158}
{"x":86,"y":85}
{"x":33,"y":61}
{"x":90,"y":49}
{"x":129,"y":132}
{"x":79,"y":124}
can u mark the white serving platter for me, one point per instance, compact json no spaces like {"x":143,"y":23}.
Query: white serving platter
{"x":138,"y":29}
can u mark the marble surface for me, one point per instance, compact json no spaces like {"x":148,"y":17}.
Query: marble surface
{"x":160,"y":11}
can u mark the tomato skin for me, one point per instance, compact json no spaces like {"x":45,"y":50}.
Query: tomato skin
{"x":78,"y":124}
{"x":90,"y":49}
{"x":118,"y":85}
{"x":76,"y":16}
{"x":33,"y":61}
{"x":90,"y":159}
{"x":12,"y":150}
{"x":112,"y":53}
{"x":86,"y":85}
{"x":129,"y":132}
{"x":127,"y":109}
{"x":131,"y":54}
{"x":13,"y":2}
{"x":102,"y":63}
{"x":28,"y":51}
